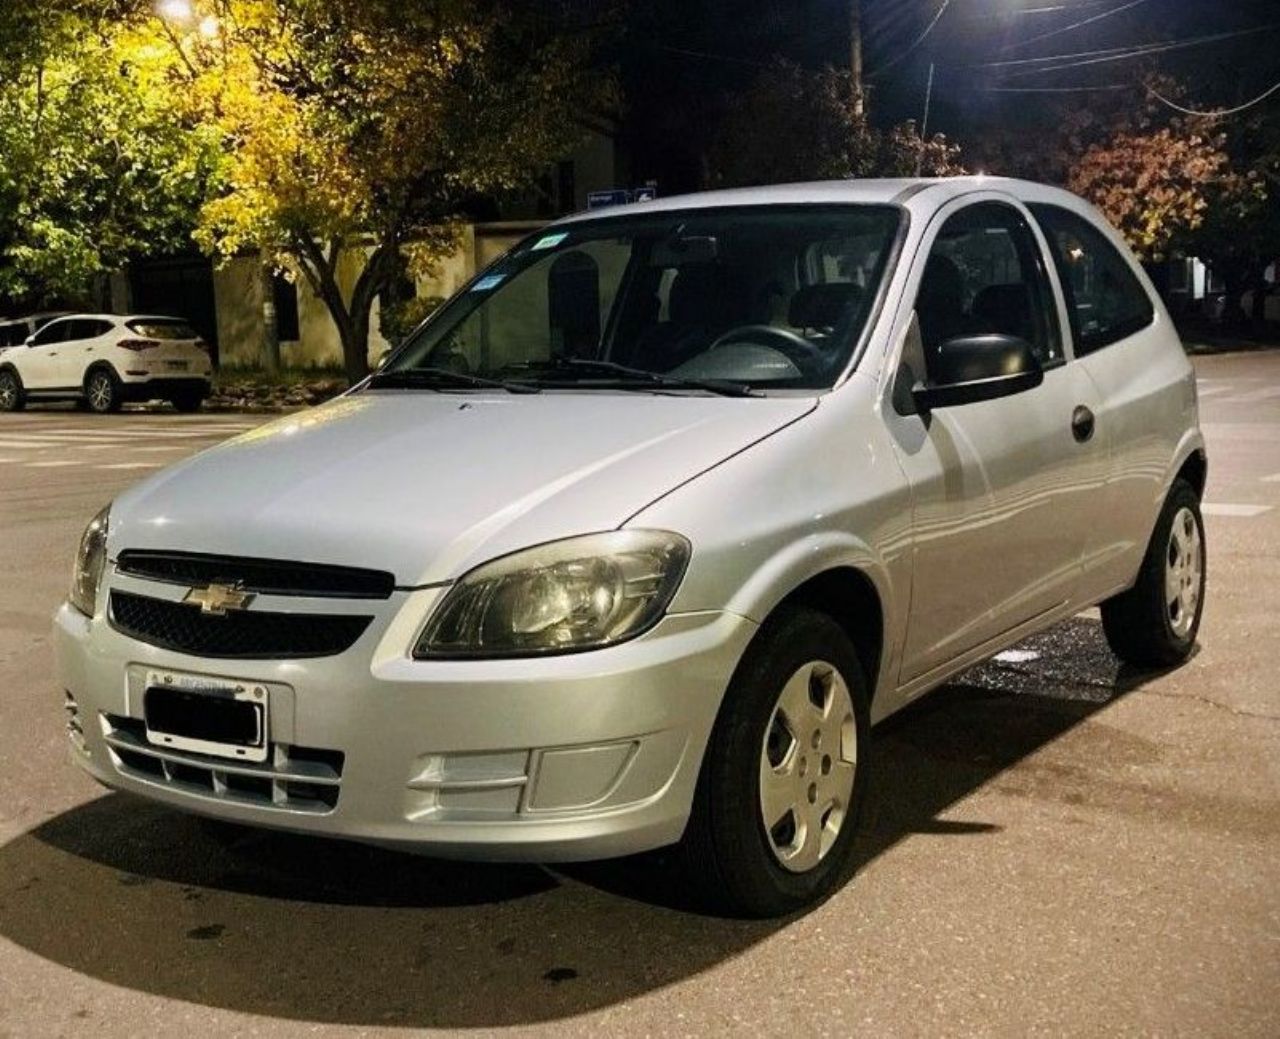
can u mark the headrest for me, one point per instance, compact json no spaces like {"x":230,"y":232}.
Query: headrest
{"x":822,"y":306}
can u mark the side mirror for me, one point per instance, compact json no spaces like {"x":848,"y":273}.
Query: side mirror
{"x":27,"y":341}
{"x":968,"y":369}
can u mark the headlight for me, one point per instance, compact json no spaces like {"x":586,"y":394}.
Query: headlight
{"x":581,"y":593}
{"x":91,"y":561}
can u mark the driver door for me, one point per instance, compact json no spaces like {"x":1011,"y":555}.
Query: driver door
{"x":41,"y":361}
{"x":1002,"y":491}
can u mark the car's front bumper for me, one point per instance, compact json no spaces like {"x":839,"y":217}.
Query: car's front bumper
{"x":582,"y":756}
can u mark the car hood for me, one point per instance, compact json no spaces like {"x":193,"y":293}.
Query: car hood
{"x":427,"y":485}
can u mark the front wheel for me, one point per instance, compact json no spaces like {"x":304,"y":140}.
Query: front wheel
{"x":1154,"y":624}
{"x":782,"y":781}
{"x":102,"y":392}
{"x":11,"y":396}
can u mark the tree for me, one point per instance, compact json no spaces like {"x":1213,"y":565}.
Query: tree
{"x":793,"y":124}
{"x":355,"y":132}
{"x":1158,"y":187}
{"x":95,"y":165}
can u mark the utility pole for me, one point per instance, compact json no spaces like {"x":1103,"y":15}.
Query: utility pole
{"x":855,"y":56}
{"x":924,"y":123}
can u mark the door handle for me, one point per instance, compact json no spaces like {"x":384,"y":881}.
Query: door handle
{"x":1082,"y":423}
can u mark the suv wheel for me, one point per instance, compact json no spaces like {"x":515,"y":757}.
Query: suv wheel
{"x":102,"y":391}
{"x":1154,"y":624}
{"x":11,"y":396}
{"x":782,"y":782}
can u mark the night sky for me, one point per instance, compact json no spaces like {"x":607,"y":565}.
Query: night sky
{"x":682,"y":59}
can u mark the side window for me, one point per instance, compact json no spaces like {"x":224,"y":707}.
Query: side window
{"x":54,"y":332}
{"x":985,"y":275}
{"x":1106,"y":301}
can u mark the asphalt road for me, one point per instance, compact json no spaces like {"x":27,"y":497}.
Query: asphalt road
{"x":1055,"y":845}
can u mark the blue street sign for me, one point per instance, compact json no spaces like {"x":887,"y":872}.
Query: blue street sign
{"x":612,"y":197}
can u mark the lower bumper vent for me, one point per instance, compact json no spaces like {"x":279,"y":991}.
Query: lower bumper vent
{"x":295,"y":779}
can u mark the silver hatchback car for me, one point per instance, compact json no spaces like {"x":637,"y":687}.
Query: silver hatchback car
{"x":636,"y":538}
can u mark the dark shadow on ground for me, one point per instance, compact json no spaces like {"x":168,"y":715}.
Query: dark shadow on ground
{"x":300,"y":928}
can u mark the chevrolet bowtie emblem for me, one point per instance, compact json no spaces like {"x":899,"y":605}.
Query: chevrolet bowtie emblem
{"x":217,"y":599}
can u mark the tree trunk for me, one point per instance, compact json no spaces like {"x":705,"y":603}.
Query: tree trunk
{"x":270,"y":343}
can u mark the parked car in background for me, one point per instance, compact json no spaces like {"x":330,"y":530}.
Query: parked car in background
{"x":16,"y":331}
{"x":104,"y":360}
{"x":631,"y":543}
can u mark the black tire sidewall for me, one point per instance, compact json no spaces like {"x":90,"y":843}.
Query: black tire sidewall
{"x":755,"y":883}
{"x":10,"y":374}
{"x":1181,"y":496}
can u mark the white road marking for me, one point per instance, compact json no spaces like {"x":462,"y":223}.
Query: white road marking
{"x":1228,"y":509}
{"x":1017,"y":656}
{"x":131,"y":465}
{"x":50,"y":465}
{"x":1273,"y":478}
{"x":1209,"y":391}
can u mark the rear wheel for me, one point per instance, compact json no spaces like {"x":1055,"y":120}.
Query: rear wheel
{"x":782,"y":781}
{"x":187,"y":401}
{"x":12,"y":397}
{"x":1155,"y":623}
{"x":102,"y":391}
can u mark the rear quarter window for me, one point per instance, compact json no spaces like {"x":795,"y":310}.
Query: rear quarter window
{"x":1105,"y":300}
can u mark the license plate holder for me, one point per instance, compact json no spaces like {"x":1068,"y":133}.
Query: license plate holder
{"x":176,"y":366}
{"x":212,"y":716}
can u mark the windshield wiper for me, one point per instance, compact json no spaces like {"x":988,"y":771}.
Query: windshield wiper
{"x":623,"y":373}
{"x":440,"y":378}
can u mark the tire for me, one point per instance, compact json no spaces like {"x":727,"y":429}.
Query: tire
{"x":740,"y":864}
{"x":1154,"y":624}
{"x":187,"y":401}
{"x":12,"y":396}
{"x":102,"y":391}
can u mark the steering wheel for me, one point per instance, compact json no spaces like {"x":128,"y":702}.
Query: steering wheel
{"x":795,"y":347}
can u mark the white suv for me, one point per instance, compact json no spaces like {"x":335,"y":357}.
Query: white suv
{"x":635,"y":538}
{"x":105,"y":360}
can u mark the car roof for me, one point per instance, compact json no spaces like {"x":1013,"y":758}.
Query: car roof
{"x":122,"y":317}
{"x":936,"y":191}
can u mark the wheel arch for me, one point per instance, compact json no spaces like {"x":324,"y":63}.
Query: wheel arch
{"x":98,"y":366}
{"x":1195,"y":470}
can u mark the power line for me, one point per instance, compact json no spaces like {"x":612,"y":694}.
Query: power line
{"x":1074,"y":25}
{"x":1129,"y":49}
{"x":1218,"y":113}
{"x":1118,"y":54}
{"x":915,"y":43}
{"x":1055,"y":90}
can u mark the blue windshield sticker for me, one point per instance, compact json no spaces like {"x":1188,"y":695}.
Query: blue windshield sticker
{"x":550,"y":241}
{"x":490,"y":281}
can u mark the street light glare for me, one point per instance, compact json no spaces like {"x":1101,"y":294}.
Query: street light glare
{"x":175,"y":10}
{"x":208,"y":26}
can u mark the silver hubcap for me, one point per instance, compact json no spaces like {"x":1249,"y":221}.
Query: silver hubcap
{"x":807,"y":766}
{"x":100,"y":392}
{"x":1184,"y":569}
{"x":8,"y":391}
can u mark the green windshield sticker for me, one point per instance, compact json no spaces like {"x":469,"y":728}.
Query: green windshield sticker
{"x":550,"y":241}
{"x":491,"y":281}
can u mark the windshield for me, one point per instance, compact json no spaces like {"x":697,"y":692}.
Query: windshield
{"x":721,"y":300}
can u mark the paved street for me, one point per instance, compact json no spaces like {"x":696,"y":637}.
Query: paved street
{"x":1054,"y":845}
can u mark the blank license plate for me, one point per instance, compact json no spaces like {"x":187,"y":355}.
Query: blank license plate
{"x":176,"y":366}
{"x":226,"y":722}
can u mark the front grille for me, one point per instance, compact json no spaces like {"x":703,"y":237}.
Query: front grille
{"x":244,"y":635}
{"x":297,"y":779}
{"x":264,"y":576}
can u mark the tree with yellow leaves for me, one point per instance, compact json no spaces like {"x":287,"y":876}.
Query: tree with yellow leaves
{"x":363,"y":127}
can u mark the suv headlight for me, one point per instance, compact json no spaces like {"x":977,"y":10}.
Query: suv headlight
{"x":580,"y":593}
{"x":91,"y":561}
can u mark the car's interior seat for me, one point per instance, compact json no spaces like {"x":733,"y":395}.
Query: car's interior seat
{"x":821,"y":309}
{"x":940,"y":304}
{"x":705,"y":301}
{"x":1005,"y":309}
